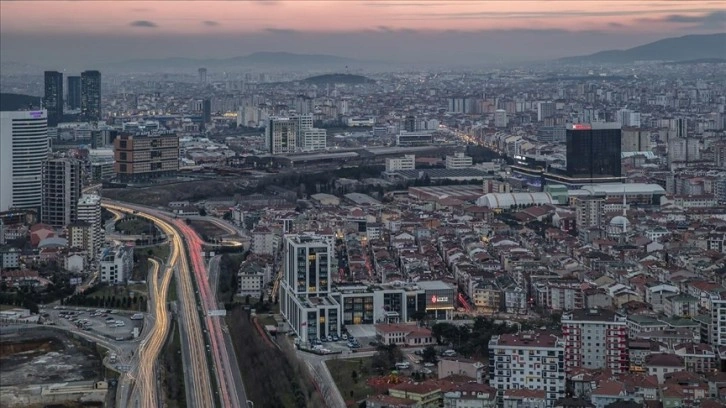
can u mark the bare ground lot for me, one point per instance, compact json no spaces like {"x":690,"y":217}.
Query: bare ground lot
{"x":44,"y":356}
{"x":207,"y":229}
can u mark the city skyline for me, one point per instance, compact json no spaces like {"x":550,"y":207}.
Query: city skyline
{"x":396,"y":30}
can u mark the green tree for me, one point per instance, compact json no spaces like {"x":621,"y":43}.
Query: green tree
{"x":429,"y":355}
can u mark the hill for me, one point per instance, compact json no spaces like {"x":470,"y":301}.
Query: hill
{"x":689,"y":47}
{"x":338,"y":79}
{"x":257,"y":59}
{"x":14,"y":102}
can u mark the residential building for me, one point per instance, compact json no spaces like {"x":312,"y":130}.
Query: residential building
{"x":458,"y":161}
{"x":476,"y":370}
{"x":407,"y":162}
{"x":91,"y":95}
{"x":635,"y":140}
{"x":531,"y":361}
{"x":421,"y":138}
{"x":89,"y":210}
{"x":61,"y":191}
{"x":500,"y":118}
{"x":9,"y":258}
{"x":660,"y":364}
{"x":146,"y":156}
{"x":23,"y":149}
{"x":80,"y":236}
{"x":264,"y":241}
{"x":53,"y":97}
{"x":545,"y":110}
{"x":589,"y":212}
{"x":595,"y":338}
{"x":314,"y":139}
{"x":116,"y":264}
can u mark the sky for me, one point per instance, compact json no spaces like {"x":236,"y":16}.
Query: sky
{"x":71,"y":34}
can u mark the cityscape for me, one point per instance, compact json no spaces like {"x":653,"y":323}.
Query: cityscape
{"x":421,"y":214}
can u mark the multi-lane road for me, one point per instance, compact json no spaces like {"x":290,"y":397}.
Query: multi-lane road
{"x":198,"y":381}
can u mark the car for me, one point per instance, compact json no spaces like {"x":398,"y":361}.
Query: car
{"x":429,"y":364}
{"x":110,"y":319}
{"x":336,"y":338}
{"x":426,"y":371}
{"x":345,"y":336}
{"x":329,"y":338}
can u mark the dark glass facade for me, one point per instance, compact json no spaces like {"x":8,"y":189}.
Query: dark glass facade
{"x":53,"y":97}
{"x":593,"y":153}
{"x":91,"y":95}
{"x":74,"y":92}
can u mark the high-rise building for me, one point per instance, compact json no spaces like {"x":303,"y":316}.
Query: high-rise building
{"x":74,"y":92}
{"x":89,"y":211}
{"x":589,"y":212}
{"x":80,"y":235}
{"x":207,"y":111}
{"x":628,"y":118}
{"x":595,"y":338}
{"x":593,"y":151}
{"x":91,"y":95}
{"x":203,"y":76}
{"x":500,"y":118}
{"x":314,"y":139}
{"x":145,"y":156}
{"x":61,"y":191}
{"x":545,"y":110}
{"x":635,"y":140}
{"x":53,"y":97}
{"x":305,"y":289}
{"x":281,"y":135}
{"x":23,"y":149}
{"x":409,"y":123}
{"x":534,"y":361}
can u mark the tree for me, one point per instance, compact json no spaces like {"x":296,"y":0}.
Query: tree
{"x":429,"y":355}
{"x":354,"y":376}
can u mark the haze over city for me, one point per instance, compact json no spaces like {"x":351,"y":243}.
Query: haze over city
{"x":72,"y":34}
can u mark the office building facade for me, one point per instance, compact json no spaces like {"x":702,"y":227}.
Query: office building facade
{"x":146,"y":156}
{"x":407,"y":162}
{"x":74,"y":93}
{"x":305,"y":289}
{"x":61,"y":191}
{"x":281,"y":135}
{"x":23,"y":149}
{"x":91,"y":95}
{"x":593,"y":151}
{"x":53,"y":97}
{"x":459,"y":161}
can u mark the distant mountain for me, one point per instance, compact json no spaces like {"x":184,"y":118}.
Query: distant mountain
{"x":257,"y":59}
{"x":338,"y":79}
{"x":14,"y":102}
{"x":689,"y":47}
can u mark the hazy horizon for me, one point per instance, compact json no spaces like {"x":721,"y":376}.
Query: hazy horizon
{"x":78,"y":34}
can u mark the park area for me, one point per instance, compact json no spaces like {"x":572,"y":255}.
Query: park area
{"x":351,"y":377}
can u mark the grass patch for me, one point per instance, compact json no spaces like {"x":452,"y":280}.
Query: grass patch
{"x":141,"y":260}
{"x":350,"y":377}
{"x":118,"y":297}
{"x":173,"y":369}
{"x":135,"y":226}
{"x":171,"y":295}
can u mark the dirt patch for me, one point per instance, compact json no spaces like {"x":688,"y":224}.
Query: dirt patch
{"x":207,"y":230}
{"x":41,"y":356}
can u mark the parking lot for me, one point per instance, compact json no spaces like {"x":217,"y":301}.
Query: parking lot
{"x":113,"y":324}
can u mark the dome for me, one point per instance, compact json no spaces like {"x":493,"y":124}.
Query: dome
{"x":619,"y":221}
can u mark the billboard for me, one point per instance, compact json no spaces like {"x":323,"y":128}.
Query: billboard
{"x":439,"y":299}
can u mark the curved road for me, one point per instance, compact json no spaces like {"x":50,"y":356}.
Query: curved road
{"x":199,"y":386}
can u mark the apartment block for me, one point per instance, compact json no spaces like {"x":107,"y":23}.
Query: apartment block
{"x":595,"y":338}
{"x":146,"y":156}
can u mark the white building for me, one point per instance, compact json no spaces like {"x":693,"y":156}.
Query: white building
{"x":459,"y":161}
{"x":80,"y":236}
{"x":717,"y":334}
{"x":531,"y":361}
{"x":500,"y":118}
{"x":23,"y":150}
{"x":10,"y":258}
{"x":628,"y":118}
{"x":595,"y":338}
{"x":314,"y":139}
{"x":305,"y":290}
{"x":250,"y":283}
{"x":545,"y":110}
{"x":407,"y":162}
{"x":264,"y":241}
{"x":89,"y":210}
{"x":116,"y":264}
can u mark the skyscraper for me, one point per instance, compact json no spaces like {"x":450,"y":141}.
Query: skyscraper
{"x":545,"y":110}
{"x":23,"y":149}
{"x":74,"y":92}
{"x":53,"y":97}
{"x":593,"y":150}
{"x":409,"y":123}
{"x":202,"y":76}
{"x":61,"y":191}
{"x":91,"y":95}
{"x":207,"y":111}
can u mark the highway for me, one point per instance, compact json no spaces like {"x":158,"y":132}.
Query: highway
{"x":218,"y":346}
{"x":198,"y":381}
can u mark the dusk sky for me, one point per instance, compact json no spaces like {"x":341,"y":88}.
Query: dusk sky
{"x":78,"y":33}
